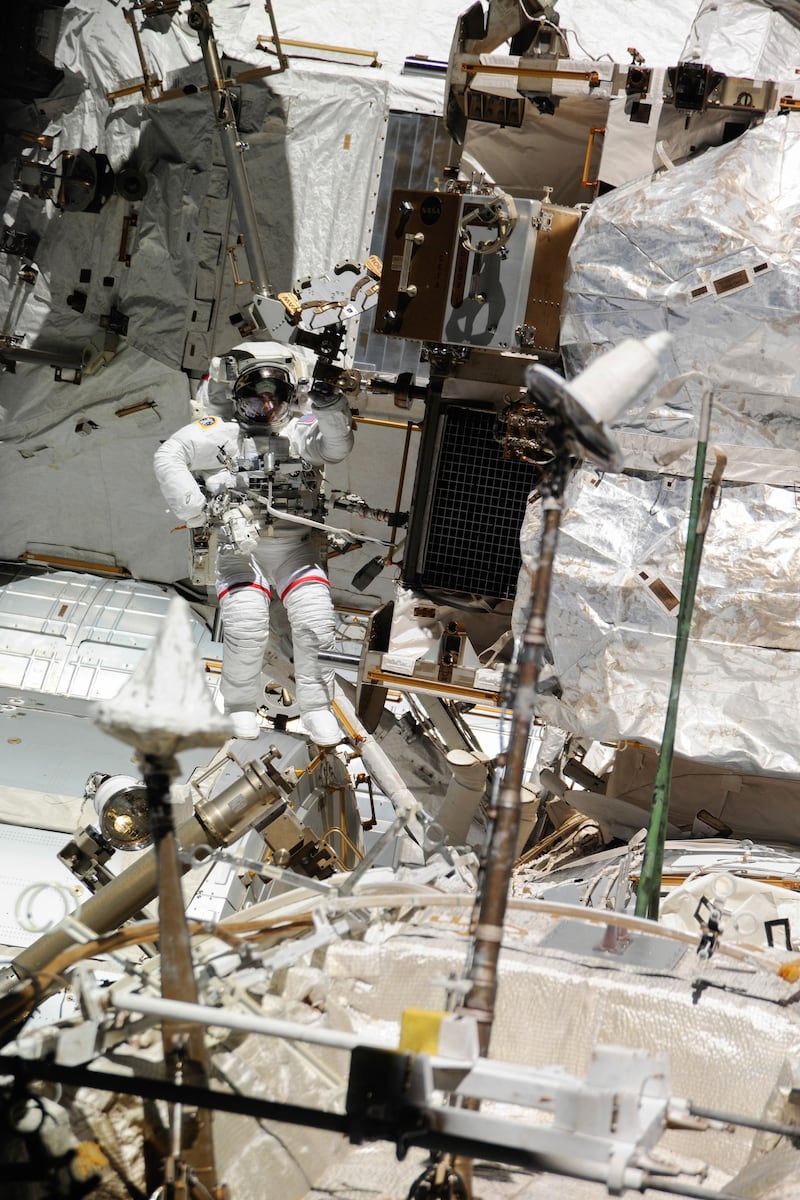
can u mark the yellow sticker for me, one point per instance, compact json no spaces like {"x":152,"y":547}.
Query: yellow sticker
{"x":419,"y":1030}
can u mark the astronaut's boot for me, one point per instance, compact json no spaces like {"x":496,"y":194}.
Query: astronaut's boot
{"x":245,"y":724}
{"x":322,"y":727}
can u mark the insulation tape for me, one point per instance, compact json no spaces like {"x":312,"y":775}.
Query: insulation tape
{"x":489,"y":933}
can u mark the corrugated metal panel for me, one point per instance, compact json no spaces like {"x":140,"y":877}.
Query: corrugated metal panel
{"x":71,"y":635}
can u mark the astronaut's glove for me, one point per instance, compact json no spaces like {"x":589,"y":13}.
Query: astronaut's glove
{"x":223,"y":369}
{"x":198,"y":520}
{"x":221,"y":481}
{"x":323,"y":401}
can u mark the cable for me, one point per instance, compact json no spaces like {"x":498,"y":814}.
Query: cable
{"x":563,"y":30}
{"x":591,"y":57}
{"x":30,"y":894}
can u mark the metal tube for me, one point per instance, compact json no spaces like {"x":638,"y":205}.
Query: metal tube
{"x":649,"y":890}
{"x":324,"y":46}
{"x":375,"y":759}
{"x":385,"y":423}
{"x":426,"y":66}
{"x":73,"y":362}
{"x":185,"y":1050}
{"x":245,"y":1022}
{"x":400,"y":484}
{"x":781,"y":1128}
{"x":148,"y":79}
{"x":479,"y":68}
{"x":135,"y":887}
{"x":76,"y":564}
{"x":500,"y":853}
{"x":404,"y":682}
{"x":587,"y":162}
{"x":232,"y":148}
{"x":339,"y":657}
{"x":373,"y":54}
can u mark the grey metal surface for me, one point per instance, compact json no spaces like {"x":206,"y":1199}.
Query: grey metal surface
{"x":49,"y":751}
{"x":53,"y":750}
{"x":66,"y":641}
{"x":614,"y":947}
{"x":417,"y":146}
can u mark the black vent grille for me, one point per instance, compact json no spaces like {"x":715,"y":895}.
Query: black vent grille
{"x":476,"y":508}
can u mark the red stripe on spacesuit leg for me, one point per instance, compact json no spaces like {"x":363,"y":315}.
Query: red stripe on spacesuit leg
{"x":304,"y":579}
{"x":234,"y":587}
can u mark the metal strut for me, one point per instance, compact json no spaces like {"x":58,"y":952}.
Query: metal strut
{"x":649,"y":890}
{"x":185,"y":1051}
{"x":232,"y":147}
{"x":500,"y":853}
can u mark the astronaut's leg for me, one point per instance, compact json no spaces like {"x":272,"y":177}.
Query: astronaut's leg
{"x":305,"y":591}
{"x":310,"y":610}
{"x":244,"y":605}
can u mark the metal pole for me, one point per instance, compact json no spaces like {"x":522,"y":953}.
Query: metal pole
{"x":56,"y":358}
{"x":232,"y":148}
{"x":185,"y":1051}
{"x":500,"y":851}
{"x":649,"y":889}
{"x":243,"y":1022}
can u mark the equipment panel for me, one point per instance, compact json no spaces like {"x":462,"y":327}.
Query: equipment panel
{"x":457,"y":268}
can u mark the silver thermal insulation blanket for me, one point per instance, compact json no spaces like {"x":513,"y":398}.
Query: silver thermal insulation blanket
{"x":708,"y":251}
{"x":758,"y":38}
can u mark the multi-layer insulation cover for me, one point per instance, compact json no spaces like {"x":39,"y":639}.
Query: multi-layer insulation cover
{"x":710,"y":251}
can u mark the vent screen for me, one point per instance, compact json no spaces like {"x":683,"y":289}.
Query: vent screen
{"x":476,"y":509}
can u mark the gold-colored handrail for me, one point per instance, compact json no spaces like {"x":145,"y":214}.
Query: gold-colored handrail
{"x":587,"y":162}
{"x":591,"y":77}
{"x":324,"y":47}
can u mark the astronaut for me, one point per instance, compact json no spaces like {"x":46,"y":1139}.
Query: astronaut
{"x":261,"y":476}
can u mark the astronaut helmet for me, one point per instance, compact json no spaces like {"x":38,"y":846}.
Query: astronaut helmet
{"x":262,"y":396}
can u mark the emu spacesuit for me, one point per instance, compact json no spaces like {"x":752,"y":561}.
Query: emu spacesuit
{"x":273,"y":450}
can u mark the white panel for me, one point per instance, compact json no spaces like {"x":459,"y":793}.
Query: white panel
{"x":28,"y":861}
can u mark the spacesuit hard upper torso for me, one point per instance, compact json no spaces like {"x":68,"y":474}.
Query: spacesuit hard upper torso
{"x":212,"y":457}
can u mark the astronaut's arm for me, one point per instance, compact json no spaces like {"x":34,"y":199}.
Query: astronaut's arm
{"x":329,"y":438}
{"x":172,"y":464}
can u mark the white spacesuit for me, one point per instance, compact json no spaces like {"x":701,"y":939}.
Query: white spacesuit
{"x":259,"y":470}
